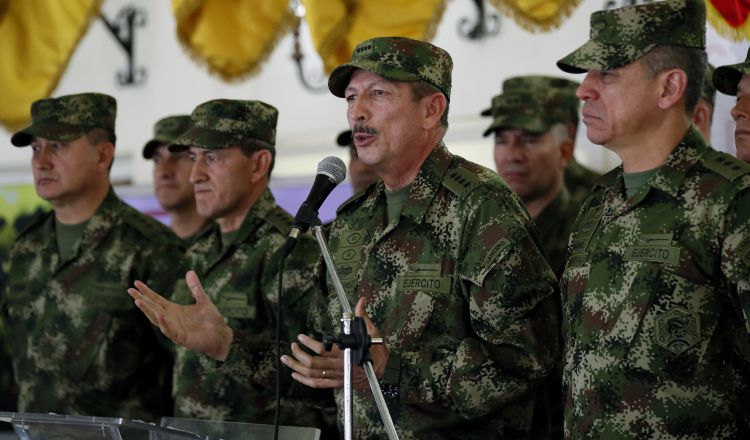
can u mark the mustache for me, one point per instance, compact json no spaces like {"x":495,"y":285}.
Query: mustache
{"x":362,"y":128}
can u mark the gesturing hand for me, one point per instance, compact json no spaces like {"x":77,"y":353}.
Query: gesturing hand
{"x":199,"y":326}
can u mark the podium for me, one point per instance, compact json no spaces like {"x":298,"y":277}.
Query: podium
{"x":31,"y":426}
{"x":239,"y":431}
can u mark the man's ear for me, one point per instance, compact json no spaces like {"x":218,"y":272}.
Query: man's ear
{"x":566,"y":152}
{"x":260,"y":164}
{"x":672,"y":88}
{"x":434,"y":106}
{"x":105,"y":151}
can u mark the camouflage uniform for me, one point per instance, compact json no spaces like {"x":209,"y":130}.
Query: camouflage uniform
{"x":19,"y":211}
{"x":80,"y":345}
{"x":578,"y":178}
{"x":166,"y":131}
{"x":457,"y":285}
{"x":535,"y":104}
{"x":655,"y":290}
{"x":241,"y":278}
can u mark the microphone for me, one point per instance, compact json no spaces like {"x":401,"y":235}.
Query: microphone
{"x":331,"y":172}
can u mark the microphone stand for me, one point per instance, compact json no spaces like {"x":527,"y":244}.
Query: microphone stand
{"x":354,"y":337}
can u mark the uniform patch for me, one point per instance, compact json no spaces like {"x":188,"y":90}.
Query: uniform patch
{"x":654,"y":247}
{"x":348,"y":257}
{"x":677,"y":330}
{"x":425,"y":278}
{"x":234,"y":305}
{"x":492,"y":255}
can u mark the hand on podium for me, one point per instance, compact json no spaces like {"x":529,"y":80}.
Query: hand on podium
{"x":199,"y":326}
{"x":326,"y":369}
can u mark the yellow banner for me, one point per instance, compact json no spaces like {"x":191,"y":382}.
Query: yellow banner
{"x":232,"y":38}
{"x":536,"y":15}
{"x":37,"y":38}
{"x":336,"y":26}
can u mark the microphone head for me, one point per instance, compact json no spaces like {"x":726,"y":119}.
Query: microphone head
{"x":334,"y":168}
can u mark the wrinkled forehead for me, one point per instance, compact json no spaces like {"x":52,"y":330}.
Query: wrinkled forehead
{"x":364,"y":78}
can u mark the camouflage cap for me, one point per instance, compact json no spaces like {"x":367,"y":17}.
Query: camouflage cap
{"x":708,"y":93}
{"x":397,"y":59}
{"x":344,"y":139}
{"x":726,"y":78}
{"x":166,"y":131}
{"x":621,"y":36}
{"x":534,"y":110}
{"x":223,"y":123}
{"x":537,"y":82}
{"x":68,"y":117}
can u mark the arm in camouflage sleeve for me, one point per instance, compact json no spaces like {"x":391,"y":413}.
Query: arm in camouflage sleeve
{"x":735,"y":255}
{"x":510,"y":296}
{"x":252,"y":354}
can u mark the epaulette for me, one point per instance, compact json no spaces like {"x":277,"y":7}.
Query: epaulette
{"x":148,"y":226}
{"x":34,"y":222}
{"x":460,"y":181}
{"x":608,"y":178}
{"x":728,"y":167}
{"x":280,"y":220}
{"x":356,"y":197}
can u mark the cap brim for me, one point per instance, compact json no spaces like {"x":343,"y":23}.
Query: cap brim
{"x":513,"y":122}
{"x":486,"y":112}
{"x":202,"y":138}
{"x":150,"y":148}
{"x":56,"y":132}
{"x":726,"y":78}
{"x":595,"y":55}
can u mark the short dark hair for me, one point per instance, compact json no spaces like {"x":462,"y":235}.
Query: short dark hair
{"x":420,"y":89}
{"x":250,"y":146}
{"x":97,"y":135}
{"x":692,"y":61}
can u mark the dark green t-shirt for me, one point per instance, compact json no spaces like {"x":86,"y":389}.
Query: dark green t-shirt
{"x":395,"y":201}
{"x":67,"y":236}
{"x":634,"y":181}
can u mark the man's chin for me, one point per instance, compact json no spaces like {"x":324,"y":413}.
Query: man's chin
{"x":743,"y":153}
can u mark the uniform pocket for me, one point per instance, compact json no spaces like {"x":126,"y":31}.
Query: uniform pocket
{"x":676,"y":328}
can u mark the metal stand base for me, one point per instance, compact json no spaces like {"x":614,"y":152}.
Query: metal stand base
{"x":353,"y":337}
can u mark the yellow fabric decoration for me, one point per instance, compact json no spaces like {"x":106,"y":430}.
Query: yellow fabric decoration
{"x":536,"y":15}
{"x":723,"y":28}
{"x":37,"y":38}
{"x":231,"y":37}
{"x":336,"y":26}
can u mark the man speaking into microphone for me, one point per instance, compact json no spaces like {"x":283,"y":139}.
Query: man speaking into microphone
{"x":231,"y":317}
{"x":442,"y":257}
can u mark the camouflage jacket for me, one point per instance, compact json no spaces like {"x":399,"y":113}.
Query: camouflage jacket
{"x":554,"y":224}
{"x":462,"y":295}
{"x":579,"y":180}
{"x":656,"y":300}
{"x":242,"y":280}
{"x":80,"y":345}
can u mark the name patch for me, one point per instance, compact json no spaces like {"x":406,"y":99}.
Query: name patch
{"x":234,"y":305}
{"x":423,"y":283}
{"x":656,"y":253}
